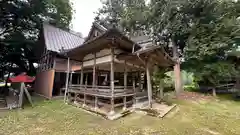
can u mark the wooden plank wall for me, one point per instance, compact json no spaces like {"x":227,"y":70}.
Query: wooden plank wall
{"x":44,"y":83}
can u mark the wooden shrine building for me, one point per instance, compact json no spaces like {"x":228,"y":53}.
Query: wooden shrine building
{"x":107,"y":70}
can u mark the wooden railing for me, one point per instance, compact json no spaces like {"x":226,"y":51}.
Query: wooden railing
{"x":101,"y":90}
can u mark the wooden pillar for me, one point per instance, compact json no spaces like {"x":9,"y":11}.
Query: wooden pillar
{"x":20,"y":98}
{"x":97,"y":73}
{"x":70,"y":81}
{"x":94,"y":72}
{"x":149,"y":85}
{"x":96,"y":103}
{"x":84,"y":100}
{"x":94,"y":81}
{"x":78,"y":79}
{"x":81,"y":79}
{"x":125,"y":75}
{"x":67,"y":76}
{"x":134,"y":89}
{"x":112,"y":81}
{"x":140,"y":81}
{"x":238,"y":83}
{"x":125,"y":86}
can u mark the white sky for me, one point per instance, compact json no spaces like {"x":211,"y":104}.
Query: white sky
{"x":84,"y":14}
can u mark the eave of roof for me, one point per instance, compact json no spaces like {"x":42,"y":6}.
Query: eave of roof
{"x":109,"y":34}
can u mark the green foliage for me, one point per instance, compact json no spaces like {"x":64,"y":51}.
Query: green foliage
{"x":131,"y":15}
{"x":161,"y":79}
{"x":20,"y":26}
{"x":212,"y":38}
{"x":165,"y":79}
{"x":204,"y":31}
{"x":212,"y":73}
{"x":187,"y":77}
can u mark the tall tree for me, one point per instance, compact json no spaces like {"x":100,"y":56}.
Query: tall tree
{"x":20,"y":25}
{"x":200,"y":31}
{"x":171,"y":25}
{"x":213,"y":36}
{"x":130,"y":15}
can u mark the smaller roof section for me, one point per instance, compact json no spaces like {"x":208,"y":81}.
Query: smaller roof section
{"x":57,"y":39}
{"x":22,"y":78}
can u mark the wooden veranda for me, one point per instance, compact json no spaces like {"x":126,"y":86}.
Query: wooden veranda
{"x":127,"y":73}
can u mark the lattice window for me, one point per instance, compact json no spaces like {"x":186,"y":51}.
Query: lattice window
{"x":46,"y":61}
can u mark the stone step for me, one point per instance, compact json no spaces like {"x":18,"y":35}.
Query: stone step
{"x":141,"y":105}
{"x":142,"y":97}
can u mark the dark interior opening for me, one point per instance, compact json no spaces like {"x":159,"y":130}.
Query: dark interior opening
{"x":59,"y":82}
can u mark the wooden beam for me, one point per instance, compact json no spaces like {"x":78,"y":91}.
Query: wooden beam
{"x":27,"y":94}
{"x":47,"y":61}
{"x":20,"y":100}
{"x":149,"y":85}
{"x":67,"y":76}
{"x":54,"y":63}
{"x":125,"y":86}
{"x":129,"y":64}
{"x":112,"y":81}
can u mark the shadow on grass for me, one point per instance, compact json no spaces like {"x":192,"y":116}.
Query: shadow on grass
{"x":233,"y":97}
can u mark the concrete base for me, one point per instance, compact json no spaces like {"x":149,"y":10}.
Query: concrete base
{"x":111,"y":113}
{"x":110,"y":116}
{"x":157,"y":110}
{"x":160,"y":110}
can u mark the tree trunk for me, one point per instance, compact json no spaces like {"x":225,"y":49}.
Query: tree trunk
{"x":161,"y":93}
{"x":214,"y":92}
{"x":177,"y":70}
{"x":238,"y":84}
{"x":161,"y":90}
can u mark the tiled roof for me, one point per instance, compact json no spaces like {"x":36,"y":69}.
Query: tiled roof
{"x":57,"y":39}
{"x":142,"y":40}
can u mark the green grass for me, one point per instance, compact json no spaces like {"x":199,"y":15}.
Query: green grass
{"x":189,"y":118}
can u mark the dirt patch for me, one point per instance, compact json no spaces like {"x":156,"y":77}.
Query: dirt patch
{"x":194,"y":96}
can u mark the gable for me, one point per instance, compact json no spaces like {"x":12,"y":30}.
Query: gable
{"x":96,"y":31}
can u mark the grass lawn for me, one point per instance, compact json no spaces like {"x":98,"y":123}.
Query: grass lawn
{"x":189,"y":118}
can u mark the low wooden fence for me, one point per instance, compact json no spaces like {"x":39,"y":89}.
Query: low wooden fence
{"x":104,"y":91}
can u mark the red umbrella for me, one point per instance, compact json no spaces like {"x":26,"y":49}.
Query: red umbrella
{"x":22,"y":78}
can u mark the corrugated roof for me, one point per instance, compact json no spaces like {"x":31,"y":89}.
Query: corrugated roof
{"x":57,"y":39}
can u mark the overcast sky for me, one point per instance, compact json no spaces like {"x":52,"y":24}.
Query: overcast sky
{"x":84,"y":14}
